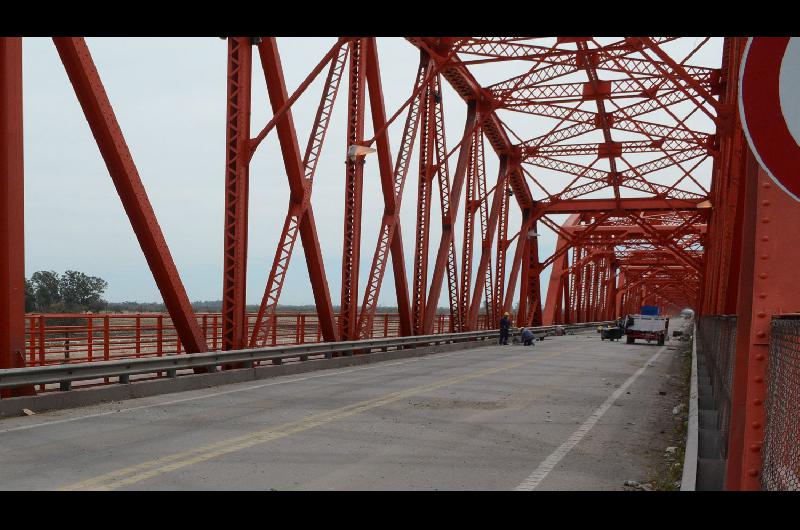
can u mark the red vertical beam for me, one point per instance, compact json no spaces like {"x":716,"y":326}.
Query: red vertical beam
{"x":611,"y":293}
{"x":525,"y":266}
{"x":446,"y":249}
{"x":534,"y":290}
{"x":558,"y":274}
{"x":237,"y":168}
{"x":12,"y":201}
{"x":353,"y":188}
{"x":486,"y":247}
{"x":768,"y":286}
{"x":738,"y":430}
{"x":521,"y":258}
{"x":502,"y":245}
{"x":299,"y":192}
{"x":470,"y":204}
{"x":420,"y":279}
{"x":97,"y":108}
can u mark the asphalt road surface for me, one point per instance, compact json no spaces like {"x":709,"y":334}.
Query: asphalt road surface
{"x":570,"y":413}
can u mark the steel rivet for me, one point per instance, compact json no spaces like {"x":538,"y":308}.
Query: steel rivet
{"x":755,"y":448}
{"x":760,"y":356}
{"x":759,"y":379}
{"x":756,"y":402}
{"x":765,"y":220}
{"x":756,"y":425}
{"x":752,"y":472}
{"x":763,"y":275}
{"x":765,"y":185}
{"x":764,"y":238}
{"x":765,"y":203}
{"x":761,"y":314}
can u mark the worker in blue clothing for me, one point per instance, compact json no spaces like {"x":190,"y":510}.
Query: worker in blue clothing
{"x":505,"y":325}
{"x":527,"y":337}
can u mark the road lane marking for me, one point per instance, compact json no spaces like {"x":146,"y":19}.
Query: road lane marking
{"x":328,"y":373}
{"x":561,"y":451}
{"x":146,"y":470}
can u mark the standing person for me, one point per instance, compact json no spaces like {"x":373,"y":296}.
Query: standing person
{"x":527,"y":337}
{"x":505,"y":324}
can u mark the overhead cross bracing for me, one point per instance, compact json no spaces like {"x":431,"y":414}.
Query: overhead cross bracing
{"x":585,"y":162}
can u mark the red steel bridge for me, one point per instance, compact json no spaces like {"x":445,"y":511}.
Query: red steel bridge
{"x":630,"y":150}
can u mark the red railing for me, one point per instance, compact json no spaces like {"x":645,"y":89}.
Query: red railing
{"x":84,"y":337}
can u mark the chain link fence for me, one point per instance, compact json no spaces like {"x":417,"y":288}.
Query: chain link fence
{"x":717,"y":343}
{"x":781,"y":449}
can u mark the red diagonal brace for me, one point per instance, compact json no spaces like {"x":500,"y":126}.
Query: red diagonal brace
{"x":292,"y":160}
{"x":103,"y":123}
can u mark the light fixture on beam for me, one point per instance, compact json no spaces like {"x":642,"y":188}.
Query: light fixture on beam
{"x":532,"y":233}
{"x":703,"y":205}
{"x":359,"y":150}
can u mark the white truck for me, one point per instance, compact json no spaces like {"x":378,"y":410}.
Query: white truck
{"x":647,"y":327}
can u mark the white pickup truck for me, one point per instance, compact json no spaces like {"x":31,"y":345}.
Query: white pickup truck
{"x":647,"y":327}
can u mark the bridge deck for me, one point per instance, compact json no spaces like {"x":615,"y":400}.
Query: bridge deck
{"x":493,"y":418}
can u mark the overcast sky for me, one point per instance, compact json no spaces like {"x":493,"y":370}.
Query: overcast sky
{"x":169,"y":97}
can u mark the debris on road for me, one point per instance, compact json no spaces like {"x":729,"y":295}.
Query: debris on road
{"x":27,"y":412}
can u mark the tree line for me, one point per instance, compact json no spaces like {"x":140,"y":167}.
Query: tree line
{"x":77,"y":292}
{"x":70,"y":292}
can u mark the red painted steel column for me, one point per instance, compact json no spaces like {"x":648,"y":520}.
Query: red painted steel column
{"x":12,"y":201}
{"x":353,"y":188}
{"x":533,"y":274}
{"x":426,"y":155}
{"x":237,"y":169}
{"x":502,"y":246}
{"x":552,"y":312}
{"x":486,"y":247}
{"x":446,"y":249}
{"x":768,"y":286}
{"x":105,"y":128}
{"x":519,"y":262}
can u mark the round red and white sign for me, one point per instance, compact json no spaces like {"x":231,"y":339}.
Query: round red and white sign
{"x":769,"y":105}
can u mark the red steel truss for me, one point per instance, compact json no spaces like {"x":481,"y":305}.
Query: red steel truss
{"x":628,"y":150}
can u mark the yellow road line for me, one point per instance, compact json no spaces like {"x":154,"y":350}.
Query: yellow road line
{"x":146,"y":470}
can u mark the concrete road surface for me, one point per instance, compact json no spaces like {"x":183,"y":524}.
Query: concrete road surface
{"x":571,"y":413}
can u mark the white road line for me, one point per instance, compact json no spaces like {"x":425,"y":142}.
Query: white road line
{"x":530,"y":483}
{"x":333,"y":372}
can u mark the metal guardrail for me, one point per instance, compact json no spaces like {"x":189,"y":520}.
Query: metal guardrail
{"x":67,"y":373}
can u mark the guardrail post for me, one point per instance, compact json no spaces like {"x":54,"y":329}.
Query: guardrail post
{"x":89,"y":339}
{"x":138,"y":335}
{"x":66,"y":386}
{"x":124,"y":379}
{"x":301,"y":339}
{"x":160,"y":336}
{"x":274,"y":329}
{"x":106,"y":338}
{"x":42,"y":347}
